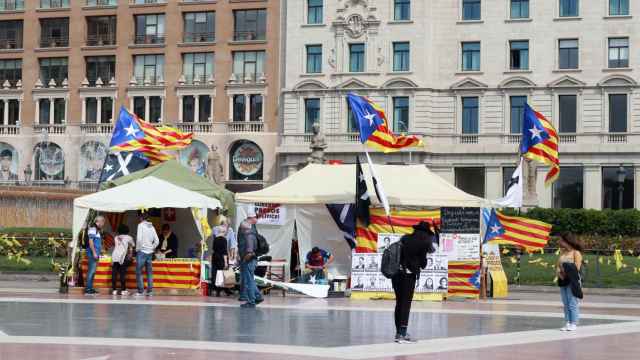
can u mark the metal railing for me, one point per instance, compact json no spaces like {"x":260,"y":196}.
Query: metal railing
{"x":101,"y":40}
{"x":54,"y":41}
{"x":100,"y":129}
{"x":196,"y":127}
{"x":247,"y":36}
{"x":9,"y":129}
{"x":196,"y":37}
{"x":51,"y":129}
{"x":246,"y":126}
{"x":7,"y":44}
{"x":144,"y":39}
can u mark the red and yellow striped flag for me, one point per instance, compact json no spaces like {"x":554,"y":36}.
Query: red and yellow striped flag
{"x":530,"y":234}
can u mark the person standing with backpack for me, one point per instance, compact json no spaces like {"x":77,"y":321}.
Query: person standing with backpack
{"x":402,"y":263}
{"x":568,"y":271}
{"x":248,"y":254}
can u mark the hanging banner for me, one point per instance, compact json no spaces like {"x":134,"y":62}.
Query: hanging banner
{"x":270,"y":214}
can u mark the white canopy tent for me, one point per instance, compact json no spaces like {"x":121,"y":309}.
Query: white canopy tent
{"x":305,"y":193}
{"x":146,"y":193}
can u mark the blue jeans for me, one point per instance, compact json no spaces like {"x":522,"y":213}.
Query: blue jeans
{"x":144,"y":260}
{"x":92,"y":264}
{"x":248,"y":287}
{"x":571,"y":306}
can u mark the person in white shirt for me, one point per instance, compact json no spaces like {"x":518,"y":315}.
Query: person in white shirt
{"x":121,"y":259}
{"x":146,"y":243}
{"x":225,"y":230}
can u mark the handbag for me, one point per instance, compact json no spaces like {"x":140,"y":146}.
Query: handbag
{"x":219,"y":279}
{"x":229,"y":277}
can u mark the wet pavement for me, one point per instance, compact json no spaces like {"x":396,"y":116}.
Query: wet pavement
{"x":53,"y":326}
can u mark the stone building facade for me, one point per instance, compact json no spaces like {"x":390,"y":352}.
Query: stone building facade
{"x":458,"y":72}
{"x":67,"y":66}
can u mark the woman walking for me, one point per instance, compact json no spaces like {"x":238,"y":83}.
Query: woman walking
{"x":121,"y":259}
{"x":569,"y":279}
{"x":413,"y":258}
{"x":219,"y":262}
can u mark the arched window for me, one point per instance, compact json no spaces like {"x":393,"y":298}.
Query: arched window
{"x":48,"y":159}
{"x":245,"y":161}
{"x":92,"y":155}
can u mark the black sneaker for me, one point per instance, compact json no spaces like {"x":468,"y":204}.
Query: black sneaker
{"x":406,"y":339}
{"x":258,"y":301}
{"x":248,"y":306}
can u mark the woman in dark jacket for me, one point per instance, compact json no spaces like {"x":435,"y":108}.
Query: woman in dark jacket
{"x":219,"y":261}
{"x":413,"y":259}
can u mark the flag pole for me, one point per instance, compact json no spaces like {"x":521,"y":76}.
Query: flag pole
{"x":379,"y":189}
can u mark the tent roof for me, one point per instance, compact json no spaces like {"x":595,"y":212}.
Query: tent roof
{"x":409,"y":185}
{"x":145,"y":193}
{"x":173,"y":172}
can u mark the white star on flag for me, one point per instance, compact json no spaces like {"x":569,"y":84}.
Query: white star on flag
{"x":370,"y":117}
{"x":496,"y":229}
{"x":131,"y":131}
{"x":108,"y":168}
{"x":535,"y":133}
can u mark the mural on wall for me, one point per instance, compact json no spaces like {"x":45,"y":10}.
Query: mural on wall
{"x":92,"y":155}
{"x":48,"y":159}
{"x":195,"y":157}
{"x":8,"y":163}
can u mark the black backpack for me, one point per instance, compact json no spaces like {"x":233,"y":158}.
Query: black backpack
{"x":391,"y":258}
{"x":262,"y":246}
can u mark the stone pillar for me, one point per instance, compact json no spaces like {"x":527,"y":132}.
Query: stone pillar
{"x":196,"y":107}
{"x":146,"y":109}
{"x":84,"y":110}
{"x":113,"y":109}
{"x":211,"y":110}
{"x":545,"y":193}
{"x":292,"y":169}
{"x":231,"y":112}
{"x":131,"y":103}
{"x":493,"y":177}
{"x":162,"y":104}
{"x":592,"y":187}
{"x":37,"y":112}
{"x":51,"y":111}
{"x":247,"y":108}
{"x":636,"y":184}
{"x":5,"y":116}
{"x":180,"y":110}
{"x":529,"y":173}
{"x":66,"y":110}
{"x":99,"y":110}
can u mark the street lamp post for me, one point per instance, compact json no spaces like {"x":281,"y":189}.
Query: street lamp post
{"x":622,"y":174}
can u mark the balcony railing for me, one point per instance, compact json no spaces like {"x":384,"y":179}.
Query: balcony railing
{"x":468,"y":139}
{"x":337,"y":138}
{"x":54,"y":4}
{"x":247,"y":36}
{"x":14,"y":5}
{"x":196,"y":80}
{"x":616,"y":138}
{"x":144,"y":39}
{"x":142,"y":2}
{"x":148,"y":81}
{"x":246,"y":126}
{"x":54,"y":41}
{"x":512,"y":139}
{"x":9,"y":129}
{"x":567,"y":138}
{"x":101,"y":40}
{"x":101,"y":2}
{"x":196,"y":37}
{"x":196,"y":127}
{"x":99,"y":129}
{"x":50,"y":129}
{"x":6,"y":44}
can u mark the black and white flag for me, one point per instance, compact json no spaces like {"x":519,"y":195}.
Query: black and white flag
{"x":345,"y":217}
{"x":513,"y":198}
{"x":362,"y":200}
{"x":122,"y":164}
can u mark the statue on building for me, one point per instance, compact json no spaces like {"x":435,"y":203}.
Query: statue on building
{"x":318,"y":145}
{"x":530,"y":198}
{"x":215,"y":170}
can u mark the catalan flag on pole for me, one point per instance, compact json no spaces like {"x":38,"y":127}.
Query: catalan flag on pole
{"x":132,"y":134}
{"x":540,"y":142}
{"x":374,"y":128}
{"x":527,"y":233}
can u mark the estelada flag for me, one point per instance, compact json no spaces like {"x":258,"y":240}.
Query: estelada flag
{"x":530,"y":234}
{"x":374,"y":128}
{"x":540,"y":142}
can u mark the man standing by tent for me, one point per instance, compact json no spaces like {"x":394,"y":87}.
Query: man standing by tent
{"x":93,"y":253}
{"x":247,"y":244}
{"x":146,"y":243}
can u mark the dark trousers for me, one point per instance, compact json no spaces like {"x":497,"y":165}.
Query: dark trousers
{"x":403,"y":287}
{"x":121,"y":270}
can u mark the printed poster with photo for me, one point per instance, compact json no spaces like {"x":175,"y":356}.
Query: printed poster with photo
{"x":461,"y":247}
{"x":386,"y":239}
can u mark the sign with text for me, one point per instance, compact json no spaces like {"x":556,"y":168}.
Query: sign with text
{"x":461,"y":247}
{"x":270,"y":214}
{"x":460,"y":220}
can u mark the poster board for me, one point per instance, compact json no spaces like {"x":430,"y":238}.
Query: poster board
{"x":270,"y":214}
{"x":460,"y":240}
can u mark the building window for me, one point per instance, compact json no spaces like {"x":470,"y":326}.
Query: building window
{"x":54,"y":4}
{"x":568,"y":57}
{"x":139,"y":106}
{"x":568,"y":8}
{"x":314,"y":11}
{"x":197,"y":66}
{"x":102,"y":67}
{"x":248,"y":63}
{"x":471,"y":56}
{"x":519,"y":9}
{"x":250,"y":24}
{"x":148,"y":68}
{"x":567,"y":107}
{"x":618,"y":52}
{"x":54,"y":32}
{"x":255,"y":111}
{"x":10,"y":5}
{"x":470,"y":9}
{"x":101,"y":30}
{"x":470,"y":180}
{"x":11,"y":70}
{"x":45,"y":111}
{"x":151,"y":103}
{"x":402,"y":10}
{"x":102,"y":2}
{"x":507,"y":173}
{"x":314,"y":59}
{"x":200,"y":27}
{"x":617,"y":113}
{"x":239,"y":108}
{"x":149,"y":29}
{"x":618,"y":185}
{"x":401,"y":56}
{"x":11,"y":34}
{"x":352,"y":123}
{"x":517,"y":113}
{"x":618,"y":7}
{"x":196,"y":111}
{"x":53,"y":68}
{"x":356,"y":57}
{"x":568,"y":189}
{"x":13,"y":112}
{"x":519,"y":55}
{"x":106,"y":110}
{"x":401,"y":114}
{"x":311,"y":114}
{"x":470,"y":115}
